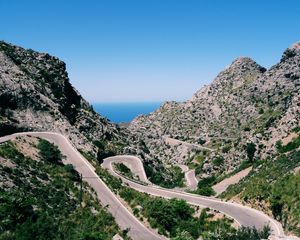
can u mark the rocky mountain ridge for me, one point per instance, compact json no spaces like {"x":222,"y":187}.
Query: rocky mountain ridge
{"x":36,"y":95}
{"x":245,"y":103}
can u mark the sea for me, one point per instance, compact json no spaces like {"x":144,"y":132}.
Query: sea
{"x":125,"y":112}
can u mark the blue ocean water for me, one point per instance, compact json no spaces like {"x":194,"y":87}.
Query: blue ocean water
{"x":124,"y":112}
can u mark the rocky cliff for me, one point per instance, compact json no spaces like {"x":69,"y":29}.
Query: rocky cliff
{"x":36,"y":95}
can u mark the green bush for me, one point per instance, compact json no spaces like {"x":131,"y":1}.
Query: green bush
{"x":261,"y":111}
{"x":72,"y":173}
{"x":209,"y":181}
{"x":250,"y":149}
{"x":205,"y":191}
{"x":172,"y":177}
{"x":285,"y":198}
{"x":218,"y":161}
{"x":296,"y":129}
{"x":205,"y":186}
{"x":124,"y":170}
{"x":112,"y":182}
{"x":247,"y":129}
{"x":289,"y":147}
{"x":49,"y":152}
{"x":201,"y":141}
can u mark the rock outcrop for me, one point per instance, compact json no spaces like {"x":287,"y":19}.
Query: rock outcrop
{"x":36,"y":95}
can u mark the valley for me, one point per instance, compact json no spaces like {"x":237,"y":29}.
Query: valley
{"x":220,"y":163}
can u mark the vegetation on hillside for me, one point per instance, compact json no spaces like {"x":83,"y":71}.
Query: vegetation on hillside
{"x":274,"y":183}
{"x":289,"y":147}
{"x":205,"y":186}
{"x":124,"y":170}
{"x":241,"y":234}
{"x":175,"y":218}
{"x":43,"y":199}
{"x":285,"y":202}
{"x":170,"y":217}
{"x":165,"y":177}
{"x":49,"y":152}
{"x":107,"y":147}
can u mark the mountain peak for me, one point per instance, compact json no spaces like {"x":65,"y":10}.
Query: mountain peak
{"x":241,"y":60}
{"x":245,"y":63}
{"x":295,"y":47}
{"x":291,"y":52}
{"x":242,"y":70}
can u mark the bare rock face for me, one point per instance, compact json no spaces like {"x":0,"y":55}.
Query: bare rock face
{"x":36,"y":95}
{"x":245,"y":103}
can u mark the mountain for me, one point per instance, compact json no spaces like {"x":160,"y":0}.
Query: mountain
{"x":248,"y":116}
{"x":245,"y":104}
{"x":36,"y":95}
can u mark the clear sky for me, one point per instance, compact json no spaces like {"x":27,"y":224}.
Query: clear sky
{"x":150,"y":50}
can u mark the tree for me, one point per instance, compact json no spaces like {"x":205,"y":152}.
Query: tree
{"x":250,"y":149}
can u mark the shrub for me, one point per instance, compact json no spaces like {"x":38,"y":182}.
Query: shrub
{"x":261,"y":111}
{"x":173,"y":176}
{"x":201,"y":141}
{"x":296,"y":129}
{"x":289,"y":147}
{"x":218,"y":161}
{"x":226,"y":148}
{"x":205,"y":191}
{"x":206,"y":181}
{"x":205,"y":186}
{"x":250,"y":149}
{"x":247,"y":129}
{"x":73,"y":174}
{"x":124,"y":170}
{"x":49,"y":152}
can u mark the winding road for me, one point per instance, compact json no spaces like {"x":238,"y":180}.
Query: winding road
{"x":190,"y":177}
{"x":245,"y":216}
{"x":223,"y":185}
{"x":124,"y":218}
{"x":174,"y":142}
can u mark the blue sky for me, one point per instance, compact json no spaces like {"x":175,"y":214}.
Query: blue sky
{"x":150,"y":50}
